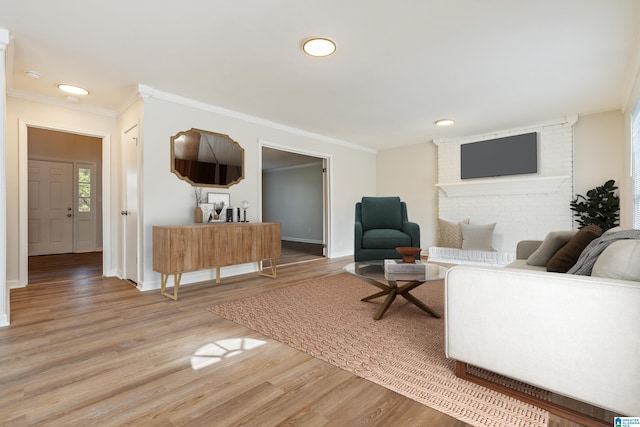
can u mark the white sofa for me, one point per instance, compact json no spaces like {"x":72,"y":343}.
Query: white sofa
{"x":577,"y":336}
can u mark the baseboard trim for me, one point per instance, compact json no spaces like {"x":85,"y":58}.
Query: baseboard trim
{"x":554,"y":408}
{"x":298,"y":240}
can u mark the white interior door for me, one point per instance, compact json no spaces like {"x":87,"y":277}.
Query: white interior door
{"x":130,"y":209}
{"x":50,"y":217}
{"x":85,"y":212}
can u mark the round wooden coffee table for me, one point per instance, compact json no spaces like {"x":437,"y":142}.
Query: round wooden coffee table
{"x":373,"y":273}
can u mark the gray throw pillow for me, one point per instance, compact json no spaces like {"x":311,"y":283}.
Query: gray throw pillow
{"x":620,"y":260}
{"x":549,"y":246}
{"x":478,"y":237}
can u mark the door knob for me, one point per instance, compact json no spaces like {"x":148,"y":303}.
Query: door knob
{"x":69,"y":215}
{"x":124,"y":212}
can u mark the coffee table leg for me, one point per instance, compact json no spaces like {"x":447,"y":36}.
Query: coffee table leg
{"x":420,"y":304}
{"x":383,"y":308}
{"x":378,"y":295}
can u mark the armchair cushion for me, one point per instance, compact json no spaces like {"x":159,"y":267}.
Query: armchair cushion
{"x":385,"y":239}
{"x":381,"y":212}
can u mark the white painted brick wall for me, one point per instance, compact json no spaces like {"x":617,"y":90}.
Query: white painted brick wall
{"x":518,"y":216}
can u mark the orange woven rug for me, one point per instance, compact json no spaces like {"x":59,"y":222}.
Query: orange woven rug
{"x":404,"y":351}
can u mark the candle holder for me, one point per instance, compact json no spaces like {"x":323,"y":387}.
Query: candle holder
{"x":244,"y":205}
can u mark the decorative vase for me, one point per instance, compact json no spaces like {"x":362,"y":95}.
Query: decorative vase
{"x":408,"y":254}
{"x":197,"y":215}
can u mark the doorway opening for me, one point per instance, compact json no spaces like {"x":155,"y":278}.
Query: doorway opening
{"x":295,"y":193}
{"x":64,"y":204}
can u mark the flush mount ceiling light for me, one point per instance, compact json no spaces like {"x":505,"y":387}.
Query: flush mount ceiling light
{"x":319,"y":47}
{"x":444,"y":122}
{"x":75,"y":90}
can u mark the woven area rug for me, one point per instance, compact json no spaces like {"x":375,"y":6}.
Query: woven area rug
{"x":404,"y":351}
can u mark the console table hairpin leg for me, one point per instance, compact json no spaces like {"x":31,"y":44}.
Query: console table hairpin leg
{"x":272,"y":267}
{"x":176,"y":285}
{"x":177,"y":277}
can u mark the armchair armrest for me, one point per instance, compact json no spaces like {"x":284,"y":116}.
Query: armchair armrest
{"x":357,"y":238}
{"x":413,"y":230}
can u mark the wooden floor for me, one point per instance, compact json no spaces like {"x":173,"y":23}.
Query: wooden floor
{"x":86,"y":350}
{"x":296,"y":252}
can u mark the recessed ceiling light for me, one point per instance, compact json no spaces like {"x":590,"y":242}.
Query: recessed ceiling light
{"x":75,"y":90}
{"x":444,"y":122}
{"x":32,"y":74}
{"x":319,"y":47}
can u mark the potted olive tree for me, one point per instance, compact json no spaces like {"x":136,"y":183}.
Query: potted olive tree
{"x":600,"y":207}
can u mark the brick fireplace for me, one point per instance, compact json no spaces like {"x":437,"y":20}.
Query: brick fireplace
{"x":523,"y":206}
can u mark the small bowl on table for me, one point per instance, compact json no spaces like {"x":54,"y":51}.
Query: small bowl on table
{"x":408,"y":254}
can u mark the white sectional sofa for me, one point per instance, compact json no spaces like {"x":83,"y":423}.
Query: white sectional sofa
{"x":577,"y":336}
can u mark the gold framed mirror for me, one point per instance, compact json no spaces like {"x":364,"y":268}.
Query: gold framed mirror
{"x":207,"y":159}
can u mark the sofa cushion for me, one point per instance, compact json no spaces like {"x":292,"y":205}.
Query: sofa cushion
{"x":478,"y":237}
{"x":450,"y":233}
{"x":567,"y":255}
{"x":620,"y":260}
{"x":385,"y":239}
{"x":522,"y":264}
{"x":550,"y":245}
{"x":381,"y":212}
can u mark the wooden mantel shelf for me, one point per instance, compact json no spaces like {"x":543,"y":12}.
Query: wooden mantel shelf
{"x":503,"y":186}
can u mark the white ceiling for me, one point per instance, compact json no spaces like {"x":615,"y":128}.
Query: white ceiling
{"x":399,"y":65}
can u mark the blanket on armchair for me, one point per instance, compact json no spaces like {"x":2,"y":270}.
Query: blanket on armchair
{"x":590,"y":254}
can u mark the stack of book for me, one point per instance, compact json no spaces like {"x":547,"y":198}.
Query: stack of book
{"x":393,"y":266}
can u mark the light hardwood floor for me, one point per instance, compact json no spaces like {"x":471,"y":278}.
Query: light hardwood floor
{"x":87,"y":350}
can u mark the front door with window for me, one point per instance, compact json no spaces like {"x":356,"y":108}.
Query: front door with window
{"x":61,"y":207}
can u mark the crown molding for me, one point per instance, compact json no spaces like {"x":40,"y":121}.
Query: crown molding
{"x":15,"y":93}
{"x":570,"y":119}
{"x":149,"y":92}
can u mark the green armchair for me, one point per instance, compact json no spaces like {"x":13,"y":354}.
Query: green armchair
{"x":381,"y":225}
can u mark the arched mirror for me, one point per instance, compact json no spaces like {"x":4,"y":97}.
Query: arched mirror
{"x":207,"y":159}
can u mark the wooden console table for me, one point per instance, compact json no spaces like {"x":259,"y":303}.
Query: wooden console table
{"x":181,"y":249}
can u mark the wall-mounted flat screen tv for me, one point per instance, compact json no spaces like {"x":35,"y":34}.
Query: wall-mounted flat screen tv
{"x":512,"y":155}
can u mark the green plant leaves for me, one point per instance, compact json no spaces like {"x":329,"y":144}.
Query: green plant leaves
{"x":600,"y":207}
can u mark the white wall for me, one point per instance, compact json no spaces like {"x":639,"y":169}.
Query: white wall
{"x":411,"y":173}
{"x":4,"y":288}
{"x":599,"y":150}
{"x":168,"y":200}
{"x":293,"y":197}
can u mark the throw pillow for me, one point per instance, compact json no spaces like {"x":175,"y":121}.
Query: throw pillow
{"x":478,"y":237}
{"x":567,"y":255}
{"x":450,"y":233}
{"x":549,"y":246}
{"x":621,"y":260}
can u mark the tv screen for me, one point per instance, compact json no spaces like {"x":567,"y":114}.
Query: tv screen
{"x":512,"y":155}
